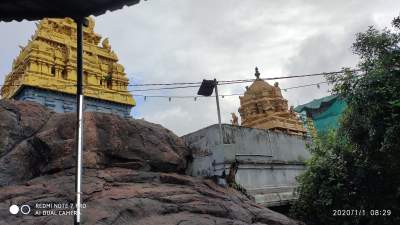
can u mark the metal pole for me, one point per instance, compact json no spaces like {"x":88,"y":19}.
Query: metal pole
{"x":219,"y":113}
{"x":79,"y":121}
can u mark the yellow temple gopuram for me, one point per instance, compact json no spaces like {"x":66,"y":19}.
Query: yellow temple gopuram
{"x":45,"y":70}
{"x":263,"y":106}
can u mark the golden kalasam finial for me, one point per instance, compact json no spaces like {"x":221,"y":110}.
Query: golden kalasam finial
{"x":257,"y":74}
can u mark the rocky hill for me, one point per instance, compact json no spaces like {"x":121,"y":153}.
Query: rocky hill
{"x":133,"y":173}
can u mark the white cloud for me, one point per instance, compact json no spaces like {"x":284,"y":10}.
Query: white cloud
{"x":182,"y":40}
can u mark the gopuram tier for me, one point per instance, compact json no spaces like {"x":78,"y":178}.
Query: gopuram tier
{"x":264,"y":107}
{"x":45,"y":70}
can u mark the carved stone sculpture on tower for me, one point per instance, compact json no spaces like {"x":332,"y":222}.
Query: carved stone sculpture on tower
{"x":234,"y":120}
{"x":263,"y":106}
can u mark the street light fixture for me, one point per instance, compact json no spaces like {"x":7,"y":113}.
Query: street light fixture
{"x":206,"y":89}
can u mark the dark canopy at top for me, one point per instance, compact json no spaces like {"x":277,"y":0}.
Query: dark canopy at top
{"x":37,"y":9}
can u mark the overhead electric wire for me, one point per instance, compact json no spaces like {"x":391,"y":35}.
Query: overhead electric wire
{"x":193,"y":84}
{"x":247,"y":80}
{"x":226,"y":82}
{"x":166,"y":88}
{"x":164,"y":84}
{"x":289,"y":77}
{"x":221,"y":95}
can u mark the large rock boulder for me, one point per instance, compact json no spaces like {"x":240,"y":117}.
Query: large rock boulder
{"x":132,"y":175}
{"x":35,"y":141}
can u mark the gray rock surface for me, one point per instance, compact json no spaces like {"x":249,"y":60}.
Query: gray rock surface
{"x":132,"y":175}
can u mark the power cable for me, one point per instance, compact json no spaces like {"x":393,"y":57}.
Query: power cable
{"x":192,"y":84}
{"x":222,"y":95}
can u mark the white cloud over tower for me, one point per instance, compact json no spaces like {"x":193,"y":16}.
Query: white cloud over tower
{"x":182,"y":40}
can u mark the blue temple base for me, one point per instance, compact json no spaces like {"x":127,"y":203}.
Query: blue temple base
{"x":61,"y":102}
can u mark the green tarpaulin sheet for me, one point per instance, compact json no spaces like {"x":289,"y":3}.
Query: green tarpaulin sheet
{"x":325,"y":112}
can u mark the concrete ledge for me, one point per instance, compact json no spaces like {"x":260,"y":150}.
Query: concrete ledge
{"x":274,"y":196}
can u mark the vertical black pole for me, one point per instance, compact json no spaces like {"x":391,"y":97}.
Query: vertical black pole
{"x":79,"y":110}
{"x":219,"y":113}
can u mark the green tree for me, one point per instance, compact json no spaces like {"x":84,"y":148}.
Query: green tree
{"x":357,"y":166}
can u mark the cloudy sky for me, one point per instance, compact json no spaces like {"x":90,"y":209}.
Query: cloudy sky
{"x":188,"y":40}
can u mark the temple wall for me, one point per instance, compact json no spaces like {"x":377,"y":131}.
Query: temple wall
{"x":60,"y":102}
{"x":269,"y":162}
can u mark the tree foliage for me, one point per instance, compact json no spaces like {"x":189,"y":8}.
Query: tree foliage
{"x":357,"y":166}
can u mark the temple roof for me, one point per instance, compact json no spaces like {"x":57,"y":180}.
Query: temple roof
{"x":263,"y":106}
{"x":258,"y":87}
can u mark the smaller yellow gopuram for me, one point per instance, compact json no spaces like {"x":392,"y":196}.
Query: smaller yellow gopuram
{"x":45,"y":70}
{"x":263,"y":106}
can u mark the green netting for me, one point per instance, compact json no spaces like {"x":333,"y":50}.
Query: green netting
{"x":330,"y":117}
{"x":325,"y":112}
